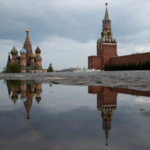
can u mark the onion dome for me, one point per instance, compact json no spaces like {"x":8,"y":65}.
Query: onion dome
{"x":32,"y":56}
{"x":27,"y":30}
{"x":37,"y":50}
{"x":23,"y":51}
{"x":14,"y":98}
{"x":38,"y":99}
{"x":115,"y":40}
{"x":23,"y":98}
{"x":14,"y":51}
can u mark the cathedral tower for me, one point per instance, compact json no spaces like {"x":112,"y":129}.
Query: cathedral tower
{"x":14,"y":53}
{"x":28,"y":46}
{"x":38,"y":58}
{"x":38,"y":92}
{"x":23,"y":60}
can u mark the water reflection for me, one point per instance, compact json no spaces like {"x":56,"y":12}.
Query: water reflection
{"x":26,"y":90}
{"x":107,"y":102}
{"x":80,"y":121}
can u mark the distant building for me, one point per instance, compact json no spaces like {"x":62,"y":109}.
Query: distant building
{"x":28,"y":61}
{"x":107,"y":50}
{"x":71,"y":70}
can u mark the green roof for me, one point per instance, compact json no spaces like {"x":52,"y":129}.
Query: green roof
{"x":106,"y":15}
{"x":30,"y":82}
{"x":14,"y":51}
{"x":30,"y":67}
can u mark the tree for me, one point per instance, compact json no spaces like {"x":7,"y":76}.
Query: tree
{"x":14,"y":68}
{"x":50,"y":69}
{"x":13,"y":83}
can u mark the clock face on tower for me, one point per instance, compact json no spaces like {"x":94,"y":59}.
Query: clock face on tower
{"x":109,"y":34}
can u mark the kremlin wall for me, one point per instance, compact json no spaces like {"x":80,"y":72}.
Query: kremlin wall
{"x":107,"y":50}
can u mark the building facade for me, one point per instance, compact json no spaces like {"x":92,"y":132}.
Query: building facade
{"x":107,"y":50}
{"x":106,"y":46}
{"x":28,"y":61}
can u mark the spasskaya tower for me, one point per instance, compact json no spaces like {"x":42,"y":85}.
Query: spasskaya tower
{"x":106,"y":46}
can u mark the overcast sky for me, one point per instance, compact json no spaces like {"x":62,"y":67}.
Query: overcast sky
{"x":67,"y":30}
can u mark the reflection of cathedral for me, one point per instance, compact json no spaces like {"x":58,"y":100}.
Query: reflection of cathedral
{"x":106,"y":103}
{"x":27,"y":90}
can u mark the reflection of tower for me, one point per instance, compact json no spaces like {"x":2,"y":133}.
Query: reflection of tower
{"x":14,"y":96}
{"x":27,"y":90}
{"x":30,"y":93}
{"x":28,"y":104}
{"x":38,"y":92}
{"x":23,"y":90}
{"x":9,"y":89}
{"x":106,"y":103}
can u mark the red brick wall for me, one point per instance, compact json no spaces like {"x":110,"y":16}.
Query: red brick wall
{"x":130,"y":91}
{"x":111,"y":93}
{"x":94,"y":89}
{"x":95,"y":62}
{"x":135,"y":58}
{"x":104,"y":94}
{"x":108,"y":52}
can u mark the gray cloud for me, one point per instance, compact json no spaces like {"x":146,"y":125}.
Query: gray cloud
{"x":79,"y":21}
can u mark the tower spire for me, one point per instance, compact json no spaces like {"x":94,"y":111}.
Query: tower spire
{"x":106,"y":135}
{"x":27,"y":40}
{"x":28,"y":46}
{"x":106,"y":13}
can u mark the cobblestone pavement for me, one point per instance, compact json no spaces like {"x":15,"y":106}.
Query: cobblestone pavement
{"x":125,"y":79}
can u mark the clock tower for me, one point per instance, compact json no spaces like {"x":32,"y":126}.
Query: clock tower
{"x":106,"y":46}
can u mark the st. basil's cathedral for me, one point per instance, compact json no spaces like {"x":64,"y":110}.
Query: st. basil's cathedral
{"x":28,"y":61}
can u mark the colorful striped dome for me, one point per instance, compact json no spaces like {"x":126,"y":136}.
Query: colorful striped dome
{"x":37,"y":50}
{"x":32,"y":56}
{"x":23,"y":51}
{"x":23,"y":98}
{"x":14,"y":51}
